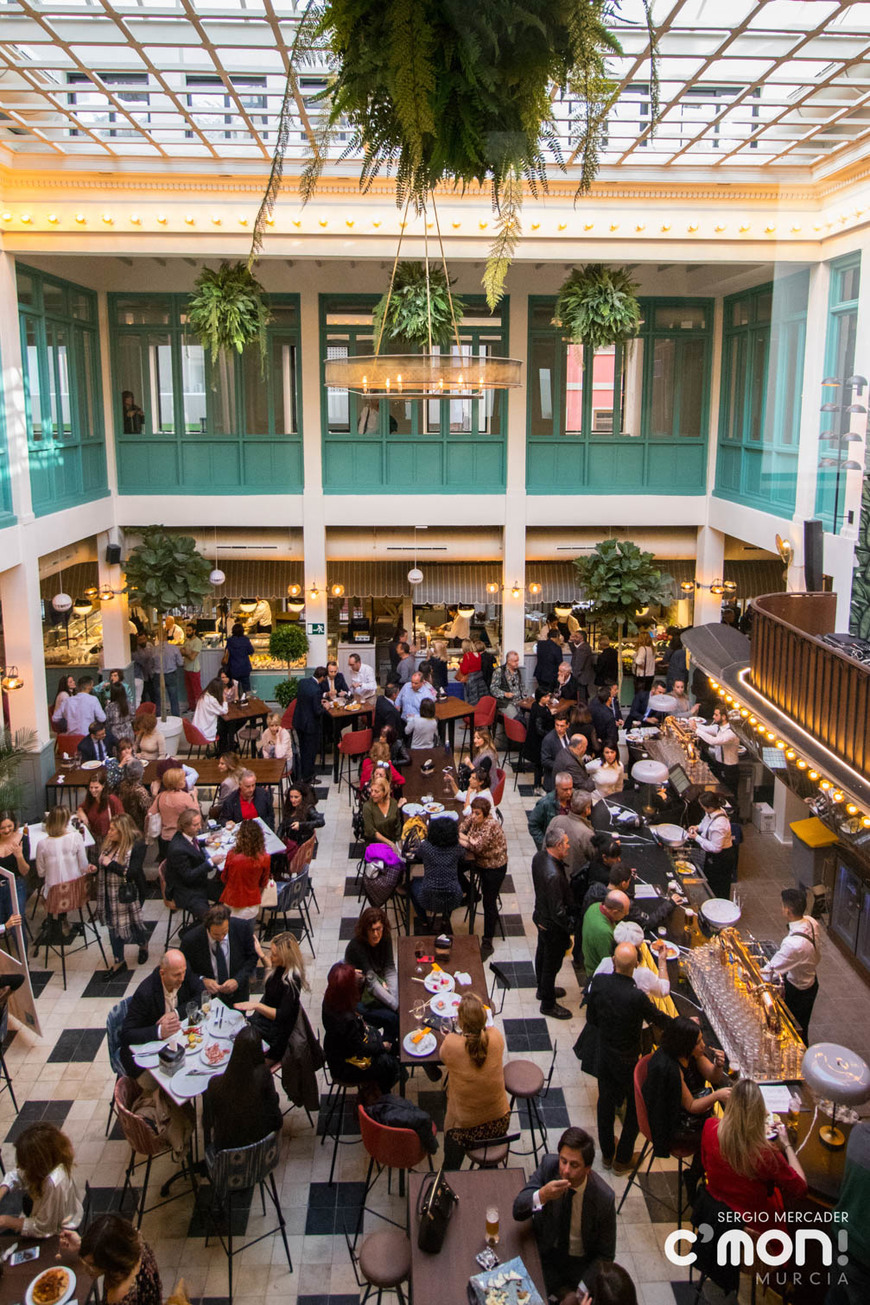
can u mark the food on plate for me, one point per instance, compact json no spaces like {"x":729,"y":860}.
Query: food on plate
{"x":50,"y":1286}
{"x":420,"y":1035}
{"x":215,"y":1053}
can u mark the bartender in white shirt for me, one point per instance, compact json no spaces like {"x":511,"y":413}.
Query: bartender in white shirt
{"x":714,"y":836}
{"x":362,"y":678}
{"x":724,"y":745}
{"x":797,"y":959}
{"x":260,"y":618}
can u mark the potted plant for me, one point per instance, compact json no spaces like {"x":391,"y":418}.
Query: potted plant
{"x":13,"y":749}
{"x":287,"y":642}
{"x":597,"y":306}
{"x":165,"y":572}
{"x":414,"y":312}
{"x":227,"y":311}
{"x":620,"y":579}
{"x":455,"y":94}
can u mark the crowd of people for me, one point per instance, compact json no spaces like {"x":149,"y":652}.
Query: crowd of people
{"x":584,"y":904}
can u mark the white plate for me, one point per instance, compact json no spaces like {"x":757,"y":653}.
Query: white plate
{"x":434,"y":808}
{"x":672,"y":952}
{"x":147,"y":1060}
{"x":186,"y":1083}
{"x":424,"y":1047}
{"x":206,"y":1064}
{"x":230,"y":1023}
{"x":92,"y":765}
{"x":146,"y":1048}
{"x":70,"y":1289}
{"x":441,"y":982}
{"x":412,"y":809}
{"x":445,"y":1003}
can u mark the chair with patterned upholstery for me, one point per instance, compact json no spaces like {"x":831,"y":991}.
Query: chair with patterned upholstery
{"x":61,"y":900}
{"x":114,"y":1024}
{"x":142,"y":1140}
{"x":292,"y":901}
{"x":233,"y":1172}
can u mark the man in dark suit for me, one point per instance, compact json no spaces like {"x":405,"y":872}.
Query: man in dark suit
{"x":581,"y":663}
{"x":221,"y":952}
{"x":157,"y":1007}
{"x":248,"y":802}
{"x":553,"y":920}
{"x":549,"y":658}
{"x":308,"y":722}
{"x":573,"y":1215}
{"x":601,"y":711}
{"x":98,"y":744}
{"x":191,"y":880}
{"x":387,"y":713}
{"x":554,"y":750}
{"x":607,"y":663}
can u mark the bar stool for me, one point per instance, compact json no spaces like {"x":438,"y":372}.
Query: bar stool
{"x":335,"y":1104}
{"x":356,"y":743}
{"x":525,"y":1081}
{"x":384,"y":1261}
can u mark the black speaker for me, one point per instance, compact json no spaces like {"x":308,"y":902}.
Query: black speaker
{"x":113,"y":554}
{"x":814,"y":557}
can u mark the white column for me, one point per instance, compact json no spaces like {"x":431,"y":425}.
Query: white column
{"x":852,"y":482}
{"x":12,"y":393}
{"x":115,"y":613}
{"x":22,"y":635}
{"x":514,"y":572}
{"x":708,"y":567}
{"x":810,"y":424}
{"x":313,"y":517}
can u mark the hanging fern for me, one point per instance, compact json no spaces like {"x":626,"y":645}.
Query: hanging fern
{"x":597,"y":306}
{"x":227,"y":311}
{"x":446,"y":91}
{"x":411,"y":309}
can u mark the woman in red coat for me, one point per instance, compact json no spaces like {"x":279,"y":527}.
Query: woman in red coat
{"x":246,"y":871}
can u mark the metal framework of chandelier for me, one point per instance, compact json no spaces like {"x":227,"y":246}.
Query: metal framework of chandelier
{"x":429,"y":375}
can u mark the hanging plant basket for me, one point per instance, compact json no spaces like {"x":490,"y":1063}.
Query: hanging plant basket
{"x":227,"y":311}
{"x":412,"y":314}
{"x":447,"y":92}
{"x":597,"y":306}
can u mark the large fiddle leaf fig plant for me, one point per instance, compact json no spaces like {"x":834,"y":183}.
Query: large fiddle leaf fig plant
{"x":166,"y":572}
{"x":442,"y":91}
{"x":620,"y":579}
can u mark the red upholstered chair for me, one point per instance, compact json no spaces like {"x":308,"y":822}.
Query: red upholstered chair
{"x":679,"y":1153}
{"x":289,"y":713}
{"x":354,"y":743}
{"x":146,"y":709}
{"x":484,"y":713}
{"x":388,"y":1148}
{"x":67,"y":743}
{"x":496,"y":787}
{"x":515,"y":732}
{"x":195,"y":738}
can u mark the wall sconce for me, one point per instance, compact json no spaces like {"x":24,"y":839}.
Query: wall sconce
{"x":106,"y":595}
{"x":517,"y":591}
{"x":687,"y":586}
{"x":717,"y":588}
{"x":730,"y":586}
{"x":314,"y":592}
{"x":534,"y":589}
{"x":337,"y":591}
{"x":492,"y":588}
{"x":92,"y":592}
{"x":10,"y":680}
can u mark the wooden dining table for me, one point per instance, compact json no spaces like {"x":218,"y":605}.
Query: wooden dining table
{"x":269,"y":773}
{"x":17,"y":1278}
{"x":437,"y":1279}
{"x":340,"y":717}
{"x":562,"y":708}
{"x":464,"y":956}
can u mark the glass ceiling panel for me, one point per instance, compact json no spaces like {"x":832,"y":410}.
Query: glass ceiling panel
{"x":754,"y":83}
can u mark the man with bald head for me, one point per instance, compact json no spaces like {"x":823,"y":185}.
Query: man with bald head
{"x":618,"y":1009}
{"x":598,"y":924}
{"x":157,"y":1006}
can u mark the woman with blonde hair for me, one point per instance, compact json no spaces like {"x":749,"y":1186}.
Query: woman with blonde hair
{"x":275,"y":1016}
{"x":382,"y":816}
{"x":644,"y":664}
{"x":150,"y":743}
{"x":477,"y":1103}
{"x":60,"y":856}
{"x":275,"y":741}
{"x":246,"y":871}
{"x":482,"y":749}
{"x":44,"y":1162}
{"x":745,"y":1169}
{"x":120,"y":891}
{"x":169,"y":803}
{"x":438,"y":663}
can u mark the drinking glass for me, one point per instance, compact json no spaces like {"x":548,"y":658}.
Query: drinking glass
{"x":492,"y":1225}
{"x":191,"y":1010}
{"x":418,"y":956}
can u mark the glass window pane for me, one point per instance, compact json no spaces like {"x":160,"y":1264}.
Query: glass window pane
{"x":603,"y":384}
{"x":736,"y":388}
{"x":284,"y":386}
{"x":338,"y":401}
{"x":763,"y":307}
{"x":284,"y":316}
{"x":401,"y":416}
{"x":162,"y":385}
{"x":541,"y":314}
{"x":850,"y":281}
{"x":791,"y":362}
{"x":573,"y":389}
{"x":86,"y":371}
{"x":54,"y":299}
{"x":57,"y":348}
{"x":222,"y":395}
{"x":27,"y":291}
{"x":680,"y":317}
{"x":759,"y":372}
{"x":82,"y":306}
{"x":542,"y":366}
{"x":846,"y":328}
{"x":460,"y":409}
{"x":150,"y":310}
{"x":193,"y":387}
{"x":132,"y":377}
{"x":692,"y":374}
{"x":31,"y":346}
{"x":662,"y":401}
{"x":741,"y":312}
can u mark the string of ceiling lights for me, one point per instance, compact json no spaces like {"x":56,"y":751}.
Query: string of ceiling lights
{"x":791,"y":754}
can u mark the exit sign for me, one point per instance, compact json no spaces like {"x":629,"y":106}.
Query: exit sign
{"x":316,"y":627}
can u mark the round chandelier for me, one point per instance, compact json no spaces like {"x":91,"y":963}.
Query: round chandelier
{"x":454,"y":373}
{"x":216,"y":577}
{"x":415,"y":576}
{"x":62,"y":602}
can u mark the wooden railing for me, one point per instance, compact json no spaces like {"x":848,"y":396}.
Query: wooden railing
{"x":824,"y":690}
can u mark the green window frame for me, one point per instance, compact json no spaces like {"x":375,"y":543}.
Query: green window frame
{"x":840,"y":349}
{"x":393,"y":445}
{"x":763,"y":347}
{"x":60,"y":348}
{"x":649,"y":407}
{"x":222,"y":425}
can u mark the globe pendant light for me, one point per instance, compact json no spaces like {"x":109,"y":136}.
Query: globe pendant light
{"x":216,"y":577}
{"x":61,"y":602}
{"x":415,"y":575}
